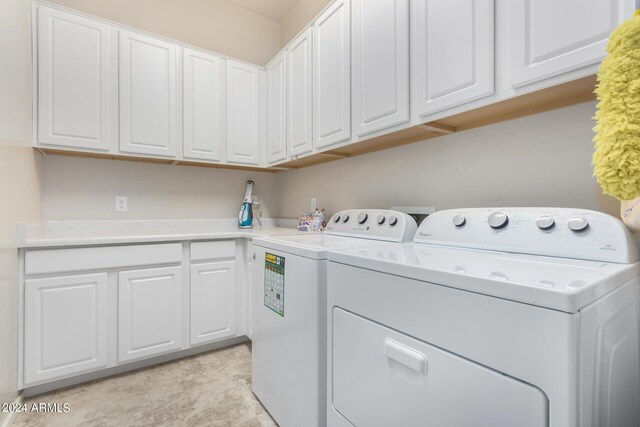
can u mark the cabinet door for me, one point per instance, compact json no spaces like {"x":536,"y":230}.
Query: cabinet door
{"x":452,"y":53}
{"x":73,"y":80}
{"x":65,"y":326}
{"x":380,"y":64}
{"x":299,"y":92}
{"x":148,"y":116}
{"x":332,"y":75}
{"x":548,"y":37}
{"x":213,"y":301}
{"x":243,"y":116}
{"x":276,"y":109}
{"x":149,"y":312}
{"x":202,"y":105}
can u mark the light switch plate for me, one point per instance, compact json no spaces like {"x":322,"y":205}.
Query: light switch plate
{"x":121,"y":203}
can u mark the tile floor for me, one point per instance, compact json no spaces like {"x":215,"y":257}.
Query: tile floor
{"x":209,"y":389}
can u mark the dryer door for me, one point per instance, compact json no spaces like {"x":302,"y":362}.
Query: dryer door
{"x":385,"y":378}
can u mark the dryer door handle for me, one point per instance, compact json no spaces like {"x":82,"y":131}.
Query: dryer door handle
{"x":406,"y":356}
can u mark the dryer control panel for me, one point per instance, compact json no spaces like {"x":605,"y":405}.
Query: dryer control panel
{"x":378,"y":224}
{"x":558,"y":232}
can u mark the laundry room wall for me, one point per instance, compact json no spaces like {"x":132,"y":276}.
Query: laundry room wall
{"x":298,"y":17}
{"x":19,"y":177}
{"x":538,"y":160}
{"x":79,"y":188}
{"x":210,"y":24}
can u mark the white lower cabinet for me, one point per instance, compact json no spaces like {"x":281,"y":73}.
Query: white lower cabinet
{"x":149,"y":312}
{"x":213,"y":296}
{"x":65,"y":329}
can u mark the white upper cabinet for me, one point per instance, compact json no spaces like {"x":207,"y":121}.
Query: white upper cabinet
{"x":332,"y":75}
{"x":243,"y":112}
{"x":277,"y":109}
{"x":148,"y":116}
{"x":203,"y":105}
{"x":380,"y":80}
{"x":73,"y":81}
{"x":299,"y":95}
{"x":549,"y":37}
{"x":452,"y":55}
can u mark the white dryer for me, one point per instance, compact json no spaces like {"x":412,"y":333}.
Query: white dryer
{"x":289,"y":336}
{"x":491,"y":318}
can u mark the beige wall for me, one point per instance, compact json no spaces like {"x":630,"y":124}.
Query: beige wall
{"x":78,"y":188}
{"x":298,"y":17}
{"x":19,"y":176}
{"x":540,"y":160}
{"x":210,"y":24}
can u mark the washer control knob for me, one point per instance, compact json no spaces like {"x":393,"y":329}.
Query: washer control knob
{"x":362,"y":218}
{"x":578,"y":223}
{"x":498,"y":220}
{"x":545,"y":222}
{"x":459,"y":220}
{"x":380,"y":220}
{"x":345,"y":218}
{"x":393,"y":220}
{"x":336,"y":218}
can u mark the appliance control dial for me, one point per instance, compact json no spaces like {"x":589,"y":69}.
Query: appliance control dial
{"x":578,"y":223}
{"x":336,"y":218}
{"x":380,"y":220}
{"x":545,"y":222}
{"x":498,"y":220}
{"x":459,"y":220}
{"x":345,"y":218}
{"x":393,"y":220}
{"x":362,"y":218}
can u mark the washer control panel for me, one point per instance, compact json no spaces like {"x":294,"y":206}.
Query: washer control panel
{"x":559,"y":232}
{"x":379,"y":224}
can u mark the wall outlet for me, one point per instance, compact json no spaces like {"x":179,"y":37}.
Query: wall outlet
{"x":121,"y":203}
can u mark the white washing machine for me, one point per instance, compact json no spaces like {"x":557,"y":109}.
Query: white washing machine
{"x":491,"y":318}
{"x":289,"y":337}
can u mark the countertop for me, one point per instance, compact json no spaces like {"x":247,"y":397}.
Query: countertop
{"x":50,"y":234}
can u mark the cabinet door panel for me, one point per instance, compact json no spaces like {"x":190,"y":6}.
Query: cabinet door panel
{"x":453,"y":51}
{"x":380,"y":64}
{"x":550,"y":37}
{"x":148,"y":116}
{"x":276,"y":110}
{"x":243,"y":116}
{"x":202,"y":133}
{"x":65,"y":326}
{"x":212,"y":301}
{"x":299,"y":95}
{"x":73,"y":80}
{"x":149,"y":312}
{"x":332,"y":75}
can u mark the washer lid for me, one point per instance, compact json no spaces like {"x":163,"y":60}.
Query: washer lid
{"x":557,"y":283}
{"x":315,"y":246}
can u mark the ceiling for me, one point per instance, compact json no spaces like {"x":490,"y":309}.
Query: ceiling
{"x":274,"y":10}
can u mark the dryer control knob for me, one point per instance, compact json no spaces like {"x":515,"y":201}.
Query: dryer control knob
{"x":498,"y":220}
{"x":459,"y":220}
{"x":393,"y":220}
{"x":380,"y":220}
{"x":345,"y":218}
{"x":336,"y":218}
{"x":362,"y":218}
{"x":545,"y":222}
{"x":578,"y":223}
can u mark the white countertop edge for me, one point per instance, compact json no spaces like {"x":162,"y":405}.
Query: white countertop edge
{"x":48,"y":234}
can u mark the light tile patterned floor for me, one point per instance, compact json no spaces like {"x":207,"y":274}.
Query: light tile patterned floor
{"x":210,"y":389}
